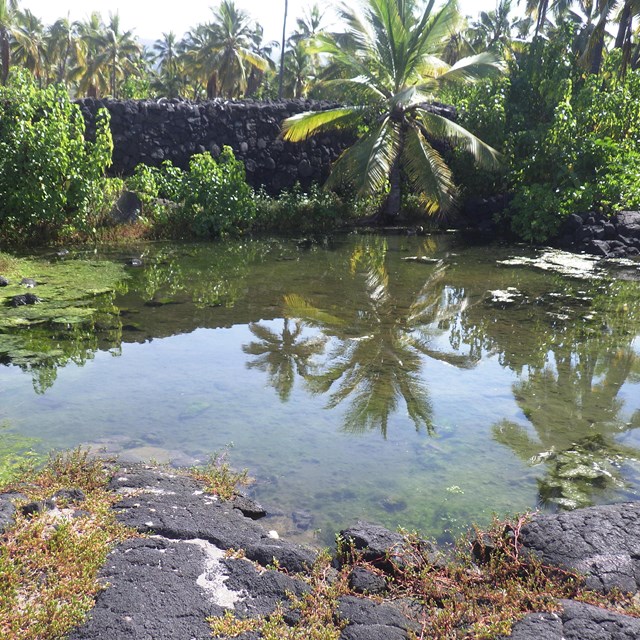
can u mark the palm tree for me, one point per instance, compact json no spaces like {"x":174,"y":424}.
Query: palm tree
{"x":29,"y":48}
{"x":282,"y":48}
{"x":63,"y":47}
{"x":387,"y":65}
{"x":492,"y":30}
{"x":117,"y":52}
{"x":298,"y":69}
{"x":90,"y":78}
{"x":170,"y":80}
{"x":227,"y":52}
{"x":8,"y":18}
{"x":264,"y":50}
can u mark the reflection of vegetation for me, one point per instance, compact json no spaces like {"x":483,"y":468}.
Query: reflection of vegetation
{"x":377,"y":358}
{"x":572,"y":400}
{"x":283,"y":355}
{"x":209,"y":283}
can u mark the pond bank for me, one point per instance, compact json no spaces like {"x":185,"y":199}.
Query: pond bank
{"x":202,"y":557}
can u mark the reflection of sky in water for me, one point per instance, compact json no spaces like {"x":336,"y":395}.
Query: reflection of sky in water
{"x":520,"y":393}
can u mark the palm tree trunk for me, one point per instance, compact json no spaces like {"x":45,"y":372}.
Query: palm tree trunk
{"x":624,"y":26}
{"x":284,"y":36}
{"x":5,"y":55}
{"x":394,"y":199}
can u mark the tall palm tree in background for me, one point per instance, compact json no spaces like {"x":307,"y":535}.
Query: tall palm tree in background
{"x":264,"y":50}
{"x":116,"y":52}
{"x":8,"y":18}
{"x":29,"y":45}
{"x":170,"y":79}
{"x":282,"y":48}
{"x":88,"y":77}
{"x":64,"y":47}
{"x":387,"y":65}
{"x":228,"y":48}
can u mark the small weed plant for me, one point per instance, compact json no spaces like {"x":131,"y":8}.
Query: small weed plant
{"x":220,"y":479}
{"x":49,"y":560}
{"x":316,"y":619}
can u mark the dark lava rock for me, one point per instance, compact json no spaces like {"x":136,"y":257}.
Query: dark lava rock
{"x":157,"y":590}
{"x":3,"y":281}
{"x":249,"y":507}
{"x":602,"y":543}
{"x":38,"y":506}
{"x":577,"y":621}
{"x":302,"y":519}
{"x":267,"y":589}
{"x":372,"y":632}
{"x":69,"y":495}
{"x":7,"y":508}
{"x":363,"y":581}
{"x":176,"y":507}
{"x":365,"y":612}
{"x":127,"y":208}
{"x":24,"y":299}
{"x":383,"y":548}
{"x":28,"y":282}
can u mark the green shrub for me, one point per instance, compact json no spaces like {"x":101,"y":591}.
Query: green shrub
{"x":296,"y":210}
{"x":50,"y":176}
{"x":588,"y":159}
{"x":211,"y":199}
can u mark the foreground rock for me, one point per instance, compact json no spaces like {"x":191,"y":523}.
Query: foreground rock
{"x":203,"y":557}
{"x":602,"y":543}
{"x":577,"y":621}
{"x":165,"y":586}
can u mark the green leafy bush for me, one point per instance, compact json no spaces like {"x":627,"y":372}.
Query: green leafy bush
{"x":211,"y":199}
{"x":50,"y":176}
{"x":588,"y":159}
{"x":296,"y":210}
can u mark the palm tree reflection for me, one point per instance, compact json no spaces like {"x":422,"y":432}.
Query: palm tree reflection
{"x":283,"y":355}
{"x":378,"y":345}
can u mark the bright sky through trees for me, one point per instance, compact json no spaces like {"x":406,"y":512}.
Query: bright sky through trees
{"x":150,"y":19}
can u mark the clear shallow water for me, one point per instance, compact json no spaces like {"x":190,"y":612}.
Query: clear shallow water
{"x":351,"y":382}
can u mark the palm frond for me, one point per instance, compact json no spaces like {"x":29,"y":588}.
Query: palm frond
{"x":428,"y":173}
{"x":309,"y":123}
{"x":297,"y":307}
{"x":444,"y":129}
{"x":368,"y":162}
{"x":472,"y":68}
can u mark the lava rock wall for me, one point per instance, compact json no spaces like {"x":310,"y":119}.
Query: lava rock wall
{"x":150,"y":131}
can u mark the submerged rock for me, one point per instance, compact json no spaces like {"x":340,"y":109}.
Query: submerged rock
{"x":562,"y":262}
{"x":505,"y":298}
{"x":24,"y":299}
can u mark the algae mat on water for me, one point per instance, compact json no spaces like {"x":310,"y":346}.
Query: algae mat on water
{"x":70,"y":293}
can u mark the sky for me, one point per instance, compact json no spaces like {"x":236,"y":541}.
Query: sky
{"x":150,"y":18}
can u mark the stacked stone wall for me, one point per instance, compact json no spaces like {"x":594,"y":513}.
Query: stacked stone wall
{"x":150,"y":131}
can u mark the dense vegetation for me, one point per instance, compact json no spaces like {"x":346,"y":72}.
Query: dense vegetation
{"x":563,"y":115}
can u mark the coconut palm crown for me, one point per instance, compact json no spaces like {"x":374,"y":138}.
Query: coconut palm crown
{"x":387,"y":64}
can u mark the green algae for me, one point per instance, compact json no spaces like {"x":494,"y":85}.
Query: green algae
{"x":73,"y":294}
{"x":16,"y":454}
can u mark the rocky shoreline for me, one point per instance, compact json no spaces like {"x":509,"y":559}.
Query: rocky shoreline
{"x":201,"y":557}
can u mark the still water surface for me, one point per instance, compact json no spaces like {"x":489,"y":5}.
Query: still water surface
{"x":352,"y":382}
